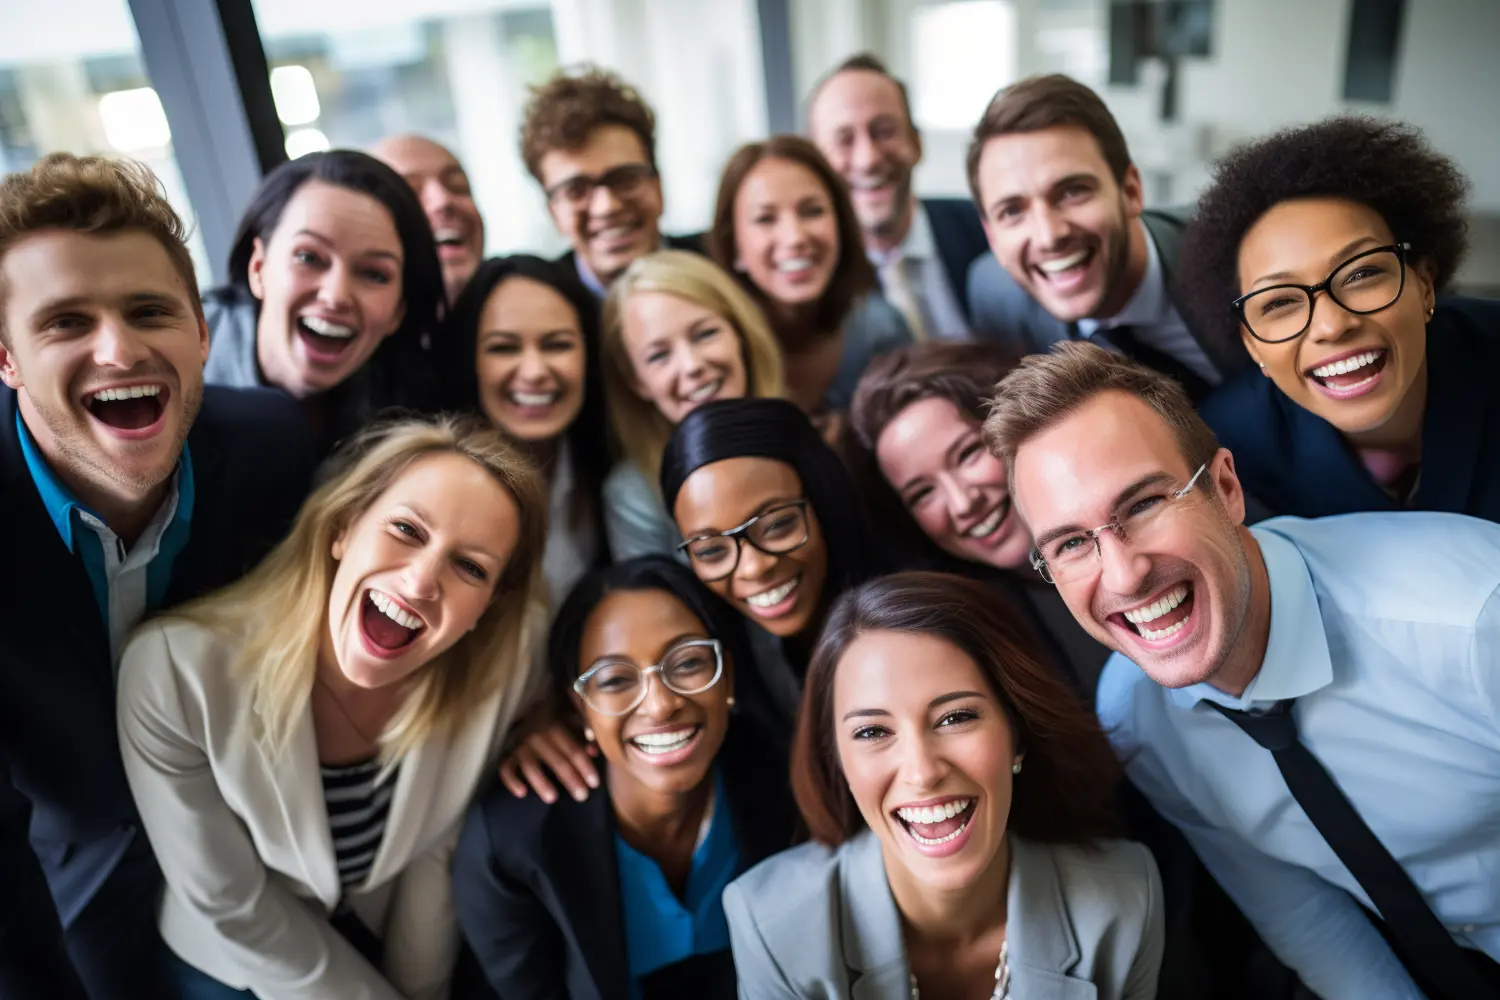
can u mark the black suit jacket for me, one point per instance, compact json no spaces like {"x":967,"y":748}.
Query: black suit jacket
{"x":960,"y":240}
{"x":1297,"y":463}
{"x":693,"y":242}
{"x":67,"y":820}
{"x":538,"y":890}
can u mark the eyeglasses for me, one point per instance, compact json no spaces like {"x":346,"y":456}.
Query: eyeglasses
{"x":775,"y":532}
{"x":623,"y":181}
{"x":617,"y":687}
{"x":1139,"y":522}
{"x":1365,"y":283}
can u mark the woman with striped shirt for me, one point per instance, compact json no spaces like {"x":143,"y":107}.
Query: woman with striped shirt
{"x":303,"y":744}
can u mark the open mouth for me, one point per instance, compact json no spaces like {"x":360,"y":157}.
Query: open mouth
{"x":1164,"y":617}
{"x":777,"y":601}
{"x":325,"y":340}
{"x":937,"y":825}
{"x":533,"y":400}
{"x":796,"y":269}
{"x":1351,"y":375}
{"x":616,"y":238}
{"x":388,"y":626}
{"x":1066,"y":273}
{"x":450,"y":241}
{"x":130,"y":408}
{"x":668,"y":747}
{"x":990,"y":526}
{"x":704,"y":392}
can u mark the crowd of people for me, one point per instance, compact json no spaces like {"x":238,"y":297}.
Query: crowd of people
{"x":871,"y":597}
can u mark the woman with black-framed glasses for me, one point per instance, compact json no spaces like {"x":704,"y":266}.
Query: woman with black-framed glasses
{"x":1323,"y":249}
{"x":618,"y":896}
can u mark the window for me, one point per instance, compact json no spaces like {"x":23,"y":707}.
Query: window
{"x":961,"y":54}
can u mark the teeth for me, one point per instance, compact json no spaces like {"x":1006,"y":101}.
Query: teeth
{"x":1154,"y":611}
{"x":706,"y":391}
{"x":534,"y":398}
{"x":1347,"y":365}
{"x":326,"y":328}
{"x":927,"y":815}
{"x":448,"y":236}
{"x":394,"y":611}
{"x":987,"y":527}
{"x":1063,"y":263}
{"x":774,"y":596}
{"x":664,"y":742}
{"x":1162,"y":634}
{"x":129,"y":392}
{"x":795,"y":264}
{"x":614,"y":233}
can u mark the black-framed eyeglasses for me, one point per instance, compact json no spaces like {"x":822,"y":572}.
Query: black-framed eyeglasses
{"x":624,"y":181}
{"x":617,"y":686}
{"x":775,"y":532}
{"x":1365,"y":283}
{"x":1139,"y":522}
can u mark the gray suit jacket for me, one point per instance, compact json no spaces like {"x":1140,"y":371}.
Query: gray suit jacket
{"x":820,"y":924}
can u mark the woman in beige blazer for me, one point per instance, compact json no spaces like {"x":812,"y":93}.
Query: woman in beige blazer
{"x":961,"y":798}
{"x":302,"y":745}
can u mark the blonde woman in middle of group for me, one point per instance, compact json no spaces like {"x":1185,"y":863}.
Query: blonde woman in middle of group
{"x":303,"y":744}
{"x":678,"y":332}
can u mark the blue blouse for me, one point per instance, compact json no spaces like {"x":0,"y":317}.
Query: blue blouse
{"x":660,"y":929}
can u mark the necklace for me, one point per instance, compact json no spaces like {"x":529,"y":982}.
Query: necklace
{"x":338,"y":704}
{"x":1002,"y":978}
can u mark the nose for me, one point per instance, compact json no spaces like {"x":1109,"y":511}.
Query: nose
{"x":1122,"y":568}
{"x":1048,"y":225}
{"x":754,"y":564}
{"x":421,"y":575}
{"x":334,"y":289}
{"x":435,"y":198}
{"x":532,"y":366}
{"x":687,"y":359}
{"x":864,"y":154}
{"x":116,"y":345}
{"x":790,"y":231}
{"x":963,"y":498}
{"x":922,"y":767}
{"x":1330,"y":321}
{"x":661,"y":702}
{"x":603,"y":202}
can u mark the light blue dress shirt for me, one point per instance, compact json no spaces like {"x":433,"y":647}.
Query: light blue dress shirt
{"x":1385,"y":628}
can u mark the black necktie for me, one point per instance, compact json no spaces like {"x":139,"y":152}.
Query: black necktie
{"x":1125,"y":338}
{"x":1421,"y":941}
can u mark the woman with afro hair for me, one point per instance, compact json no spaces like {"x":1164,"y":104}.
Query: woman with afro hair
{"x":1324,"y":248}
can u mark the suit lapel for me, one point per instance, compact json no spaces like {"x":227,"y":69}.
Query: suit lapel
{"x":1043,"y":948}
{"x":298,"y":785}
{"x":1453,"y":427}
{"x":755,"y":783}
{"x":199,"y":567}
{"x":580,"y":861}
{"x":1319,"y":457}
{"x":1166,"y":232}
{"x":870,"y":927}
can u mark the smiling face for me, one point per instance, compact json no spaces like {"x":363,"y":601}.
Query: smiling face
{"x":105,"y":348}
{"x":785,"y":232}
{"x":859,"y":122}
{"x":681,"y":354}
{"x":927,"y":750}
{"x":1059,"y":223}
{"x":669,"y":741}
{"x":955,"y":489}
{"x":530,"y":360}
{"x":443,"y":188}
{"x":1178,"y":604}
{"x":329,"y":283}
{"x":608,"y":229}
{"x":417,"y":569}
{"x":782,"y":593}
{"x":1353,"y":371}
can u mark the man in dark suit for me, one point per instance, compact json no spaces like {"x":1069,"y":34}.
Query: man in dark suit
{"x":125,"y":487}
{"x":860,"y":117}
{"x":1075,"y":256}
{"x":589,"y":139}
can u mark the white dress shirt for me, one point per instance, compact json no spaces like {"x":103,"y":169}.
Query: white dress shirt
{"x":1385,"y":628}
{"x":1155,"y":320}
{"x":915,"y":265}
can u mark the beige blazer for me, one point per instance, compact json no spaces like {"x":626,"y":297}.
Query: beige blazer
{"x":243,"y":839}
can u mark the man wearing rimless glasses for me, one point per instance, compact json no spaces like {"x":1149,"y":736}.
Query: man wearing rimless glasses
{"x":1314,"y":704}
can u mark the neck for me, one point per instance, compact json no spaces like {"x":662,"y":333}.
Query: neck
{"x":893,"y":233}
{"x":952,"y":916}
{"x":1248,"y":649}
{"x":1132,"y":274}
{"x":1401,"y":434}
{"x":653,"y":821}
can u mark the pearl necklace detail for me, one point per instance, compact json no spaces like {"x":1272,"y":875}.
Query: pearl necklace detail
{"x":1002,"y":978}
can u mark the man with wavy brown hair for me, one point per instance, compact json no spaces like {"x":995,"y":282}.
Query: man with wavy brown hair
{"x":125,"y":486}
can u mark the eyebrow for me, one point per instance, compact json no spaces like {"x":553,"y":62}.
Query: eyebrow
{"x":767,"y":505}
{"x":939,"y":701}
{"x":1072,"y":178}
{"x":492,"y":334}
{"x":1152,"y":479}
{"x":130,"y":299}
{"x":666,"y":648}
{"x":363,"y":253}
{"x":1336,"y":258}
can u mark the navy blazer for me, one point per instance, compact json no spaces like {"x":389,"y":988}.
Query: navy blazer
{"x":538,"y":890}
{"x":67,"y":819}
{"x":960,"y":240}
{"x":1297,"y":463}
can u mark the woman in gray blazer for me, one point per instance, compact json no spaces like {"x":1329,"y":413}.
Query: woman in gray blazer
{"x":960,"y":798}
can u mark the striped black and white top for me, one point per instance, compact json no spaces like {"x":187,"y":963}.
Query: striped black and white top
{"x":357,"y":811}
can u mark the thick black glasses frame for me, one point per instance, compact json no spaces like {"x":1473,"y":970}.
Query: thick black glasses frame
{"x":1311,"y":291}
{"x":738,"y":536}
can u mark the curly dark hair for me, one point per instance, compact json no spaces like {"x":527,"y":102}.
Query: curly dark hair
{"x":1388,"y":166}
{"x":562,"y":112}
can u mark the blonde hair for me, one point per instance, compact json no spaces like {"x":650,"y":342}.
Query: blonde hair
{"x":641,"y":432}
{"x":279,"y":611}
{"x":1045,"y":388}
{"x":94,"y":194}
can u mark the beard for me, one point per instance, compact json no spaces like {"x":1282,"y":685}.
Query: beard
{"x":1116,"y":267}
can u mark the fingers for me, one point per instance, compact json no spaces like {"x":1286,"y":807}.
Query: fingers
{"x":568,"y":761}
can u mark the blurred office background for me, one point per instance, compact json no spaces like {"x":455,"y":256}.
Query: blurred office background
{"x":210,"y":93}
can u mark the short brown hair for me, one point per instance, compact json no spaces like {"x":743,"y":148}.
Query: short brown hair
{"x":853,"y":276}
{"x":1045,"y":388}
{"x":1065,"y":793}
{"x":93,"y":194}
{"x":564,"y":111}
{"x":965,"y":374}
{"x":1043,"y":102}
{"x":863,"y":62}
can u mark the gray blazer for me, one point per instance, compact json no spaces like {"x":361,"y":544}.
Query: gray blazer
{"x":872,"y":328}
{"x":635,"y":520}
{"x":820,"y":924}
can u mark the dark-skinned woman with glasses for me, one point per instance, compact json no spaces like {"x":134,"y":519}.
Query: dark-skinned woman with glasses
{"x":1325,"y":250}
{"x":618,"y":897}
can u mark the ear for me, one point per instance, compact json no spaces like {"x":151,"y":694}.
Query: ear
{"x":1227,"y":484}
{"x":1426,"y":275}
{"x":340,"y":544}
{"x":1132,"y":189}
{"x":1252,"y":349}
{"x":916,"y":140}
{"x":256,"y":266}
{"x":202,"y":338}
{"x":8,"y":371}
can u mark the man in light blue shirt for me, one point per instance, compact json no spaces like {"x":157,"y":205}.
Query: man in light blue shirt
{"x":1384,"y":628}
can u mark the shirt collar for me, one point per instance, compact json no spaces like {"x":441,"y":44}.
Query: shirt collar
{"x":61,"y":503}
{"x":590,"y":280}
{"x":1148,"y":306}
{"x":1297,"y":661}
{"x":918,"y":245}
